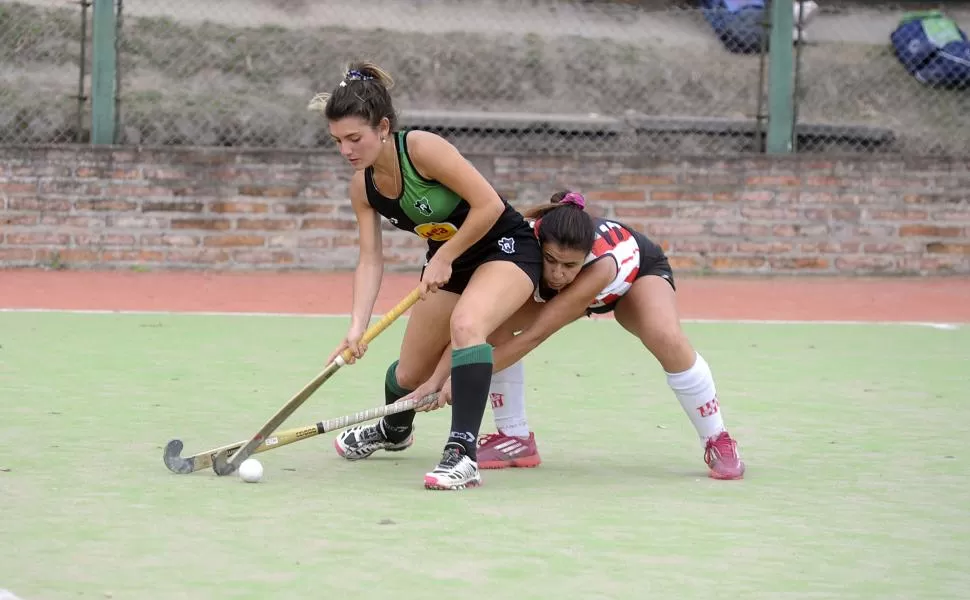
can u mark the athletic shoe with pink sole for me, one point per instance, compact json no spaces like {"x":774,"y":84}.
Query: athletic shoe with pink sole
{"x":721,"y":455}
{"x":455,"y":471}
{"x":500,"y":451}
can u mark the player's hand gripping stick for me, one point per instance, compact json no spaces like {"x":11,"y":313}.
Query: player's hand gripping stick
{"x":223,"y":464}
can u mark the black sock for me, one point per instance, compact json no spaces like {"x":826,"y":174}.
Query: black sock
{"x":471,"y":376}
{"x":396,"y":427}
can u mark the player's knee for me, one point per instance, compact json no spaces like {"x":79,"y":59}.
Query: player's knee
{"x":401,"y":378}
{"x":671,"y":348}
{"x":466,"y":329}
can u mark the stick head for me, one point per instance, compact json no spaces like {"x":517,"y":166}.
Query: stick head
{"x":222,"y":464}
{"x":174,"y":461}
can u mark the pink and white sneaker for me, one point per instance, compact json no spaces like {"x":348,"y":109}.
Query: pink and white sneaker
{"x":721,"y":455}
{"x":500,"y":451}
{"x":455,"y":471}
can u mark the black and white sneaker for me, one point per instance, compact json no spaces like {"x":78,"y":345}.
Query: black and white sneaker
{"x":361,"y":441}
{"x":455,"y":471}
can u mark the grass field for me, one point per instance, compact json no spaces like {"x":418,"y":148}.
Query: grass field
{"x":854,"y":436}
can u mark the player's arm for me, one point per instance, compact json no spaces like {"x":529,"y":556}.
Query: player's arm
{"x":370,"y":261}
{"x":570,"y":304}
{"x":435,"y":158}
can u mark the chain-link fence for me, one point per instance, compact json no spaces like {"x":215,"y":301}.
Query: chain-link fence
{"x":41,"y":76}
{"x":851,"y":76}
{"x":535,"y":76}
{"x":649,"y":77}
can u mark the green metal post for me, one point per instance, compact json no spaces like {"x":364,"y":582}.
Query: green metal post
{"x":104,"y":63}
{"x":781,"y":67}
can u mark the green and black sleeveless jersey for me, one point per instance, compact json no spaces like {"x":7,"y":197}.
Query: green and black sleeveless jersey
{"x":433,"y":211}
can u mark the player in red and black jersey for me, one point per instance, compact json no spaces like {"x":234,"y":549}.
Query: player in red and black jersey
{"x":597,"y":266}
{"x":631,"y":254}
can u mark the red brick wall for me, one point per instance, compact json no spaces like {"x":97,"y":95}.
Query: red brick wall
{"x":85,"y":208}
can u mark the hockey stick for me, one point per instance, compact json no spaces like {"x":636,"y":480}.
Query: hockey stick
{"x":203,"y":460}
{"x":222,"y":464}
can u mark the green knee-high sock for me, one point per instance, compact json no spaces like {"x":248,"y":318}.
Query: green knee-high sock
{"x":396,"y":427}
{"x":471,"y":376}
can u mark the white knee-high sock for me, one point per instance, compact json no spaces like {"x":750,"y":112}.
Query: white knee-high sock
{"x":695,"y":390}
{"x":507,"y":395}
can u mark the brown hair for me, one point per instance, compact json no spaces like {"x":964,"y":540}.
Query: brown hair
{"x":565,"y":222}
{"x":363,"y":92}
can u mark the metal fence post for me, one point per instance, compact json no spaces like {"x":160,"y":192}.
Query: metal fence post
{"x":780,"y":83}
{"x":799,"y":26}
{"x":104,"y":62}
{"x":82,"y":98}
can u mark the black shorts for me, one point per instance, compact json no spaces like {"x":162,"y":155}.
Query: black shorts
{"x":520,"y":247}
{"x":653,"y":261}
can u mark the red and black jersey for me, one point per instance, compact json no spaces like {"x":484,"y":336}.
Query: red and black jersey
{"x":618,"y":243}
{"x":614,"y":241}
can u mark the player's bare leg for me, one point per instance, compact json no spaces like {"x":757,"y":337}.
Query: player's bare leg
{"x":649,"y":311}
{"x":496,"y":291}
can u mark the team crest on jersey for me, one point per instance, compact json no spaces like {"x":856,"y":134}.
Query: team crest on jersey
{"x":438,"y":232}
{"x":507,"y":245}
{"x":423,"y":206}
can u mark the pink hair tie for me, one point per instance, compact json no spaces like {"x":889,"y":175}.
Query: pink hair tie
{"x":574,"y":198}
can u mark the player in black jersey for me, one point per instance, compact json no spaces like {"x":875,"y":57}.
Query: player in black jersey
{"x":597,"y":266}
{"x":483,"y":263}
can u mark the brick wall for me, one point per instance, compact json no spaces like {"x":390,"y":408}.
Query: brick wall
{"x":86,"y":208}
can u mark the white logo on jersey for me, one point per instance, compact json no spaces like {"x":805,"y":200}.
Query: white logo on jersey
{"x":393,"y":221}
{"x":423,"y":206}
{"x":507,"y":245}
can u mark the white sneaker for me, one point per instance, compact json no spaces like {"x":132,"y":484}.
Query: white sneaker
{"x":361,"y":441}
{"x":455,"y":471}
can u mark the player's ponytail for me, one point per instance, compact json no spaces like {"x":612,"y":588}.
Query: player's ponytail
{"x":363,"y":92}
{"x":564,"y":222}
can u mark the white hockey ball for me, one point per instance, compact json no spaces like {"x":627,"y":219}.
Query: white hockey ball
{"x":251,"y":471}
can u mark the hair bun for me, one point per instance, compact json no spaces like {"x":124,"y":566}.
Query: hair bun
{"x":575,"y":199}
{"x":367,"y":71}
